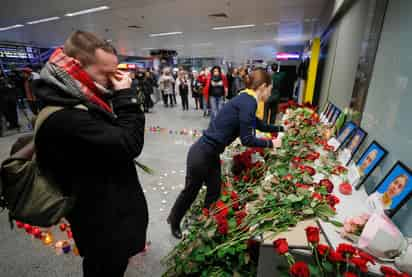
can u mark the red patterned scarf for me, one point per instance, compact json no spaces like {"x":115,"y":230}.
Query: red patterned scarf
{"x":83,"y":80}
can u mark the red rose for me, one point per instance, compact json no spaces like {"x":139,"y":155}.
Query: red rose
{"x":332,"y":200}
{"x":323,"y":249}
{"x":360,"y":263}
{"x":205,"y":212}
{"x":345,"y":248}
{"x":299,"y":269}
{"x":312,"y":156}
{"x":288,"y":177}
{"x":246,"y":178}
{"x":281,"y":246}
{"x":28,"y":228}
{"x":19,"y":224}
{"x":240,"y":215}
{"x":63,"y":227}
{"x":310,"y":170}
{"x":296,"y":160}
{"x":234,"y":196}
{"x":312,"y":234}
{"x":366,"y":257}
{"x":36,"y":232}
{"x":317,"y":196}
{"x":236,"y":179}
{"x":328,"y":148}
{"x":389,"y":271}
{"x":235,"y":205}
{"x":303,"y":186}
{"x":223,"y":227}
{"x":335,"y":257}
{"x":345,"y":188}
{"x":224,"y":193}
{"x":349,"y":274}
{"x":327,"y":184}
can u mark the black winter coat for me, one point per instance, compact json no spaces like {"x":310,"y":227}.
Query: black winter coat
{"x":90,"y":153}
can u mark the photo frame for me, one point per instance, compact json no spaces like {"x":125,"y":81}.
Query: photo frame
{"x":393,"y":191}
{"x":345,"y":133}
{"x":369,"y":160}
{"x":335,"y":116}
{"x":353,"y":143}
{"x":327,"y":108}
{"x":330,"y":113}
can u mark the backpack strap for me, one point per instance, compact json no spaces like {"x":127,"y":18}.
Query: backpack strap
{"x":48,"y":111}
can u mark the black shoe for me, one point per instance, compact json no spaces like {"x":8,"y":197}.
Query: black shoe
{"x":176,"y":232}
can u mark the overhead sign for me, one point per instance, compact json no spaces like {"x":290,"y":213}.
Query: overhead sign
{"x":284,"y":56}
{"x":13,"y":52}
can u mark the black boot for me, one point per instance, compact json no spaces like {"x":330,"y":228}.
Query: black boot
{"x":175,"y":228}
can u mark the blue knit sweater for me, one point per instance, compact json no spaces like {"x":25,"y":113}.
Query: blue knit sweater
{"x":237,"y":118}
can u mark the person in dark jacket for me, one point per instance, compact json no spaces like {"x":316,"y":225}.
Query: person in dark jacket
{"x":271,"y":105}
{"x":236,"y":119}
{"x":90,"y":152}
{"x":216,"y":90}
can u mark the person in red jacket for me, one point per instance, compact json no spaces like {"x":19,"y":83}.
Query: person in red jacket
{"x":216,"y":90}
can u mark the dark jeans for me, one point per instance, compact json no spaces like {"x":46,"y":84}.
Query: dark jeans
{"x":185,"y":101}
{"x":203,"y":167}
{"x":8,"y":104}
{"x":97,"y":267}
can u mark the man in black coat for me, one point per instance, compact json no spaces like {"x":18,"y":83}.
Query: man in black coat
{"x":89,"y":150}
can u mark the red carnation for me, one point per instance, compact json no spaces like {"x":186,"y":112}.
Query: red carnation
{"x":312,"y":234}
{"x":335,"y":257}
{"x":281,"y":246}
{"x":349,"y":274}
{"x":345,"y":188}
{"x":345,"y":248}
{"x":366,"y":257}
{"x":327,"y":184}
{"x":389,"y":271}
{"x":205,"y":212}
{"x":323,"y":249}
{"x":299,"y":269}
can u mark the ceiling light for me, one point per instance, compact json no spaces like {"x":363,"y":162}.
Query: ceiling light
{"x":11,"y":27}
{"x":234,"y":27}
{"x":148,"y":48}
{"x":93,"y":10}
{"x":253,"y":41}
{"x":272,"y":23}
{"x":165,"y":34}
{"x":43,"y":20}
{"x":202,"y":44}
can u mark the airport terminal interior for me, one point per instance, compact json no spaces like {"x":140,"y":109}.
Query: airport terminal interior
{"x":223,"y":138}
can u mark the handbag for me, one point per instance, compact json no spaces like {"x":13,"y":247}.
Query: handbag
{"x":28,"y":194}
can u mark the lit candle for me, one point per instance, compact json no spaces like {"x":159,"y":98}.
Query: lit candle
{"x":48,"y":238}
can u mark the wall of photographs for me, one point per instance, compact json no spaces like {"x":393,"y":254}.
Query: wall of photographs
{"x":387,"y":112}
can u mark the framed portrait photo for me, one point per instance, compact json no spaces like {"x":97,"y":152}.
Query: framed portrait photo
{"x":369,"y":160}
{"x":324,"y":113}
{"x":330,"y":113}
{"x":393,"y":191}
{"x":335,"y":116}
{"x":352,"y":145}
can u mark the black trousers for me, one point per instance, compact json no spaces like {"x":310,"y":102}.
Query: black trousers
{"x":166,"y":98}
{"x":203,"y":167}
{"x":98,"y":267}
{"x":174,"y":98}
{"x":185,"y":101}
{"x":9,"y":106}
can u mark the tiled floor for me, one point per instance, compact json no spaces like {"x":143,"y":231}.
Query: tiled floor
{"x":21,"y":256}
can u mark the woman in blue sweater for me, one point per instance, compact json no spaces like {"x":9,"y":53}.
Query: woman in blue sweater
{"x":236,"y":119}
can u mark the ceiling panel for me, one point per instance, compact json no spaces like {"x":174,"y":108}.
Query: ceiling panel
{"x":291,"y":24}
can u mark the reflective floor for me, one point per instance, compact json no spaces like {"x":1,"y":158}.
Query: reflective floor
{"x":22,"y":256}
